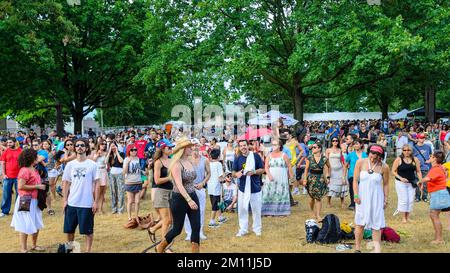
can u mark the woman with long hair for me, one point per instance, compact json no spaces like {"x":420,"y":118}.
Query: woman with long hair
{"x":405,"y":168}
{"x":184,"y":200}
{"x":229,"y":155}
{"x":316,"y":179}
{"x":163,"y":187}
{"x":382,"y":141}
{"x":114,"y":161}
{"x":28,"y":219}
{"x":371,"y":196}
{"x":133,"y":181}
{"x":99,"y":157}
{"x":338,"y":172}
{"x":52,"y":173}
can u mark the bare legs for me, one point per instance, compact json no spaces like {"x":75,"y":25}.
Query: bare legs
{"x":376,"y":239}
{"x":434,"y":215}
{"x":316,"y":208}
{"x":89,"y":240}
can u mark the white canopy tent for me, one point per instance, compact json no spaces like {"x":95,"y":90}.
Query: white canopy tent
{"x":400,"y":115}
{"x":342,"y":116}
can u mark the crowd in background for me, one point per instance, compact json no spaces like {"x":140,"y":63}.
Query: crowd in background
{"x":328,"y":159}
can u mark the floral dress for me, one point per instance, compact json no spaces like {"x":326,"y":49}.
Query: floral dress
{"x":275,"y":194}
{"x":315,"y":185}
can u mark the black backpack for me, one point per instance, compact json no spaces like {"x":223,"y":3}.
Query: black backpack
{"x":330,"y":231}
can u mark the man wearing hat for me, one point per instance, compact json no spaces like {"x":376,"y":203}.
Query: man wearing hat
{"x":248,"y":168}
{"x":422,"y":152}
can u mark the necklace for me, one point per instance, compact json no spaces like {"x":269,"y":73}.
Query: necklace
{"x":371,"y":170}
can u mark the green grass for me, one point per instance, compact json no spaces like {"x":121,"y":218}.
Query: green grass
{"x":285,"y":235}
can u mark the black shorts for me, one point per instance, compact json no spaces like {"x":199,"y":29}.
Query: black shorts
{"x":215,"y":200}
{"x":447,"y":209}
{"x":84,"y":217}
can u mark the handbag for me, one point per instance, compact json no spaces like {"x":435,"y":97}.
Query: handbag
{"x":25,"y":203}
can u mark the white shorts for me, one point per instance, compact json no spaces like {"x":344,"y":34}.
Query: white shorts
{"x":53,"y":173}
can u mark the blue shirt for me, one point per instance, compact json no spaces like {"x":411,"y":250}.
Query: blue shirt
{"x":238,"y":165}
{"x":60,"y":146}
{"x":352,"y":158}
{"x":287,"y":152}
{"x":44,"y":154}
{"x":425,"y":150}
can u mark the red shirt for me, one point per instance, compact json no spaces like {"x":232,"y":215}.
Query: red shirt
{"x":11,"y":159}
{"x":140,"y":145}
{"x":438,"y":179}
{"x":31,"y":177}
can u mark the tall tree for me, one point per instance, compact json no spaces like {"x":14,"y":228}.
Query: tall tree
{"x":82,"y":57}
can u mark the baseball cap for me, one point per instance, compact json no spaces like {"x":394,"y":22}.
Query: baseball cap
{"x":164,"y":143}
{"x":421,"y":136}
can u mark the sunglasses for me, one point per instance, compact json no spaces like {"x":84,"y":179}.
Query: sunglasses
{"x":407,"y":150}
{"x":35,"y":145}
{"x":69,"y":144}
{"x":80,"y":145}
{"x":315,"y":147}
{"x":334,"y":140}
{"x":133,"y":150}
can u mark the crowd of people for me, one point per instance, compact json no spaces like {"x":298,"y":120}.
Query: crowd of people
{"x":259,"y":176}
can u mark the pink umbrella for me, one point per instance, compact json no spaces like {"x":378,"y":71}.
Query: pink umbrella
{"x":255,"y":133}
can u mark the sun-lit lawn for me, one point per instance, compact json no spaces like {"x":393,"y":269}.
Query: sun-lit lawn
{"x":279,"y":234}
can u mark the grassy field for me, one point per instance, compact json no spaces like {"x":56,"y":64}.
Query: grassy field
{"x":286,"y":235}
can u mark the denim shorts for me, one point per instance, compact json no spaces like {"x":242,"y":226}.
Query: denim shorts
{"x":135,"y":188}
{"x":440,"y":200}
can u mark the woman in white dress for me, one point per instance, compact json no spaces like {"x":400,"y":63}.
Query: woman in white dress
{"x":29,"y":220}
{"x":371,"y":196}
{"x":338,"y":177}
{"x":275,"y":192}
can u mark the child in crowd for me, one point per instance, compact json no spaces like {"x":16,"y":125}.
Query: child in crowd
{"x":215,"y":188}
{"x":229,"y":193}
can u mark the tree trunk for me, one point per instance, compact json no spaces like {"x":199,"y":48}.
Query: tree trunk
{"x":77,"y":121}
{"x":430,"y":104}
{"x":384,"y":109}
{"x":298,"y":99}
{"x":59,"y":119}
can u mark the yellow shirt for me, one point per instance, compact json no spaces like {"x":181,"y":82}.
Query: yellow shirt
{"x":447,"y":167}
{"x":291,"y":146}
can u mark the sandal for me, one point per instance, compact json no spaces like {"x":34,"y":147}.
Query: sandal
{"x":152,"y":235}
{"x":37,"y":248}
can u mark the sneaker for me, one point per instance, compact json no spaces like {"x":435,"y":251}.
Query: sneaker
{"x":202,"y":237}
{"x":258,"y":234}
{"x":417,"y":200}
{"x":295,"y":191}
{"x":188,"y":238}
{"x":425,"y":200}
{"x":213,"y":225}
{"x":3,"y":215}
{"x":241,"y":234}
{"x":222,"y":219}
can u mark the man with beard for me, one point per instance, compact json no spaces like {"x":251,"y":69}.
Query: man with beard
{"x":10,"y":170}
{"x":80,"y":180}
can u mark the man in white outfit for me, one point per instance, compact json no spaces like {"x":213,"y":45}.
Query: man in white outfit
{"x":248,"y":168}
{"x":201,"y":166}
{"x":401,"y":141}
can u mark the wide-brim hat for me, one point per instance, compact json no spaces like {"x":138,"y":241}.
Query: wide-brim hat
{"x":182,"y":143}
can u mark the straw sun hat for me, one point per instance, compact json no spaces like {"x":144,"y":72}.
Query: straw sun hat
{"x":182,"y":143}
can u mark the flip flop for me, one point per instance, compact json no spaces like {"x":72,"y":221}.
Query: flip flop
{"x":38,"y":249}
